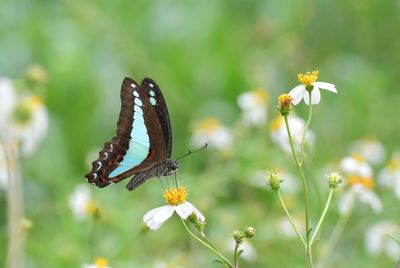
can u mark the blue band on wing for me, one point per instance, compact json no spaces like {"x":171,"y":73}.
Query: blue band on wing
{"x":138,"y":146}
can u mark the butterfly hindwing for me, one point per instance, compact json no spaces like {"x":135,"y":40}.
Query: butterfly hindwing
{"x":143,"y":135}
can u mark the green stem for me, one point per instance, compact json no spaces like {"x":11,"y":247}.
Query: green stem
{"x":290,"y":218}
{"x":228,"y":263}
{"x":15,"y":200}
{"x":303,"y":178}
{"x":235,"y":255}
{"x":306,"y":128}
{"x":328,"y":202}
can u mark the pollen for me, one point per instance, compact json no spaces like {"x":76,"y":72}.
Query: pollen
{"x":101,"y":263}
{"x":364,"y":181}
{"x":308,"y":78}
{"x":175,"y":196}
{"x":285,"y":100}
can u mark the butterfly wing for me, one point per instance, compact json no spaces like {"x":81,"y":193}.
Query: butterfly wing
{"x":140,"y":142}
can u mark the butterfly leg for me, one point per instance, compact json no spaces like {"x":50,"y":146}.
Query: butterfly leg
{"x":137,"y":180}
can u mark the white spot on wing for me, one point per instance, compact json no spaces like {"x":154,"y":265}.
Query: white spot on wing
{"x":133,"y":85}
{"x":151,"y":85}
{"x":136,"y":94}
{"x":152,"y":93}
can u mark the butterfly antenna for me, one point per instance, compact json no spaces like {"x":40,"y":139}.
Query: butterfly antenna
{"x":192,"y":152}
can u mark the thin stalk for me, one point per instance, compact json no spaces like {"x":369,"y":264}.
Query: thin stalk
{"x":235,"y":255}
{"x":15,"y":250}
{"x":328,"y":202}
{"x":290,"y":218}
{"x":306,"y":128}
{"x":303,"y":179}
{"x":227,"y":263}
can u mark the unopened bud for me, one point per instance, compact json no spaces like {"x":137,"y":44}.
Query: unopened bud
{"x":250,"y":232}
{"x":285,"y":104}
{"x":274,"y":180}
{"x":334,"y":179}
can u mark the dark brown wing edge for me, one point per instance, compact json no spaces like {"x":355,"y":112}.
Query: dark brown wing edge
{"x":114,"y":150}
{"x":162,"y":112}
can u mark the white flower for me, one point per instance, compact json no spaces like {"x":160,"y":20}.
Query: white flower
{"x":81,"y":202}
{"x":254,"y":107}
{"x":308,"y":82}
{"x":378,"y":241}
{"x":359,"y":185}
{"x":26,"y":124}
{"x":176,"y":199}
{"x":361,"y":194}
{"x":373,"y":151}
{"x":389,"y":176}
{"x":211,"y":131}
{"x":99,"y":263}
{"x":8,"y":98}
{"x":356,"y":165}
{"x":280,"y":137}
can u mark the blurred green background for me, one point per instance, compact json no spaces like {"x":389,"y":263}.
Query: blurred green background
{"x":203,"y":54}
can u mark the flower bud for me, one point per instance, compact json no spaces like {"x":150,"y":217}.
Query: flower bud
{"x":238,"y":236}
{"x":37,"y":75}
{"x":285,"y":104}
{"x":250,"y":232}
{"x":274,"y":180}
{"x":198,"y":224}
{"x":334,"y":179}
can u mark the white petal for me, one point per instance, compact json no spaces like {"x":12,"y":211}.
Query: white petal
{"x":297,"y":93}
{"x":315,"y":96}
{"x":184,"y":210}
{"x":346,"y":203}
{"x":371,"y":199}
{"x":327,"y":86}
{"x":306,"y":97}
{"x":164,"y":213}
{"x":199,"y":215}
{"x":157,"y":216}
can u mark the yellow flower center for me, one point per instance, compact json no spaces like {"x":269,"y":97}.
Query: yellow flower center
{"x":276,"y":123}
{"x":393,"y":165}
{"x":364,"y":181}
{"x":308,"y":78}
{"x":101,"y":263}
{"x":260,"y":96}
{"x":209,"y":125}
{"x":285,"y":100}
{"x":175,"y":196}
{"x":92,"y":208}
{"x":358,"y":157}
{"x":34,"y":102}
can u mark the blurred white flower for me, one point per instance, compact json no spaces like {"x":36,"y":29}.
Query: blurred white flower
{"x":81,"y":202}
{"x":8,"y":99}
{"x":26,"y":123}
{"x":378,"y":241}
{"x":176,"y":199}
{"x":254,"y":107}
{"x":280,"y":137}
{"x":359,"y":185}
{"x":308,"y":82}
{"x":373,"y":151}
{"x":162,"y":264}
{"x":3,"y":169}
{"x":211,"y":131}
{"x":249,"y":252}
{"x":356,"y":165}
{"x":99,"y":263}
{"x":389,"y":176}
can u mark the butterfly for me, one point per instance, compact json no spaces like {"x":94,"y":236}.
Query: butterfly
{"x":143,"y":142}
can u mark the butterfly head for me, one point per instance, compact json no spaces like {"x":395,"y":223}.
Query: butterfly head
{"x":172,"y":167}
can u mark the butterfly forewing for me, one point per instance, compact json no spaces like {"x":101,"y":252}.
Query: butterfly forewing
{"x":141,"y":140}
